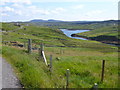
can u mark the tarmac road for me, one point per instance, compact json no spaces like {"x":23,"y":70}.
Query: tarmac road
{"x":8,"y":77}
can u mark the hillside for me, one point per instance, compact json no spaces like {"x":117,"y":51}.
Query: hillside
{"x":82,"y":58}
{"x":106,"y":34}
{"x":103,"y":31}
{"x":73,"y":24}
{"x":51,"y":37}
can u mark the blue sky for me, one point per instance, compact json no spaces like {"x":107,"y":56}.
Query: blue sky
{"x":67,"y":10}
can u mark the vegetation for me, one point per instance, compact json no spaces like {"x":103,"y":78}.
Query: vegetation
{"x":8,"y":27}
{"x":85,"y":68}
{"x":83,"y":58}
{"x":106,"y":34}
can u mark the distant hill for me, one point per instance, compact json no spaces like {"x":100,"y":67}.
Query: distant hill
{"x":52,"y":20}
{"x":72,"y":24}
{"x":75,"y":22}
{"x":41,"y":20}
{"x":37,"y":20}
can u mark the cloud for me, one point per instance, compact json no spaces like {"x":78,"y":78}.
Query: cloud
{"x":57,"y":10}
{"x":36,"y":10}
{"x":26,"y":9}
{"x":78,"y":7}
{"x":74,"y":0}
{"x":4,"y":2}
{"x":18,"y":12}
{"x":60,"y":9}
{"x":4,"y":14}
{"x":7,"y":9}
{"x":94,"y":13}
{"x":17,"y":5}
{"x":54,"y":0}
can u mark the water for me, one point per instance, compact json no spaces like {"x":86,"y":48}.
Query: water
{"x":70,"y":32}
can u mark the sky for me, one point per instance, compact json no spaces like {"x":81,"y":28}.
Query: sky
{"x":66,"y":10}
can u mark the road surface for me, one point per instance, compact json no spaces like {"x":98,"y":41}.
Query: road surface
{"x":8,"y":78}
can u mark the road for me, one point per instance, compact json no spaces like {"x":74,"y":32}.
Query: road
{"x":0,"y":73}
{"x":7,"y":76}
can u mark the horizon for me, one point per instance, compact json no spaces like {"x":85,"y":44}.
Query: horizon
{"x":59,"y":20}
{"x":65,"y":10}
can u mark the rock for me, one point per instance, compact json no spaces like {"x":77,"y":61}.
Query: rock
{"x":20,"y":45}
{"x":58,"y":58}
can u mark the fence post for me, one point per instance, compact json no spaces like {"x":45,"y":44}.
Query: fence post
{"x":40,"y":51}
{"x":51,"y":63}
{"x":42,"y":54}
{"x":67,"y":78}
{"x":29,"y":46}
{"x":42,"y":48}
{"x":103,"y":66}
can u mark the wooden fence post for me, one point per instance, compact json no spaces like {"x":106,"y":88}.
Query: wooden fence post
{"x":42,"y":48}
{"x":42,"y":54}
{"x":29,"y":46}
{"x":51,"y":63}
{"x":102,"y":74}
{"x":67,"y":78}
{"x":40,"y":51}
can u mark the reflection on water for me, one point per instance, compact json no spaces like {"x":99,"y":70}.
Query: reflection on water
{"x":70,"y":32}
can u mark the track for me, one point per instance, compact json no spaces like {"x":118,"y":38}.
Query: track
{"x":9,"y":79}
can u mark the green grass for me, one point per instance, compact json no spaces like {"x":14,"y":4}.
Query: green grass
{"x":51,"y":37}
{"x":107,"y":30}
{"x":8,"y":27}
{"x":28,"y":69}
{"x":85,"y":68}
{"x":83,"y":58}
{"x":106,"y":34}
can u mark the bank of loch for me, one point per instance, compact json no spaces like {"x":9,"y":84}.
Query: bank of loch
{"x":111,"y":40}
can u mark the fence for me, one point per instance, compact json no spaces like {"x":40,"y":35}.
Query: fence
{"x":50,"y":66}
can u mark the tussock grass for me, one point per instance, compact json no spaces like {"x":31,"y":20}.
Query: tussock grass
{"x":29,"y":70}
{"x":84,"y":70}
{"x":83,"y":58}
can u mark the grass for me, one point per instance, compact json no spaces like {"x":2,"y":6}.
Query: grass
{"x":85,"y":70}
{"x":50,"y":37}
{"x":108,"y":34}
{"x":108,"y":30}
{"x":8,"y":27}
{"x":27,"y":67}
{"x":83,"y":58}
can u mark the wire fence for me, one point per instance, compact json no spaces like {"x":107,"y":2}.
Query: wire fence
{"x":68,"y":73}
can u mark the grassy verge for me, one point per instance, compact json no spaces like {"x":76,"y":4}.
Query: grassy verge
{"x":83,"y":58}
{"x":85,"y":67}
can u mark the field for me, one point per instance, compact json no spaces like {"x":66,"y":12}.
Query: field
{"x":82,"y":58}
{"x":107,"y":34}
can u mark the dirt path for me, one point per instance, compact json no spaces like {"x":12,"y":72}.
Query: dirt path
{"x":9,"y":79}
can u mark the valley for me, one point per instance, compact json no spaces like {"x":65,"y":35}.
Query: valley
{"x":82,"y":57}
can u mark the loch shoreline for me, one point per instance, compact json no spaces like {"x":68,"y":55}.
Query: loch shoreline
{"x":114,"y":42}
